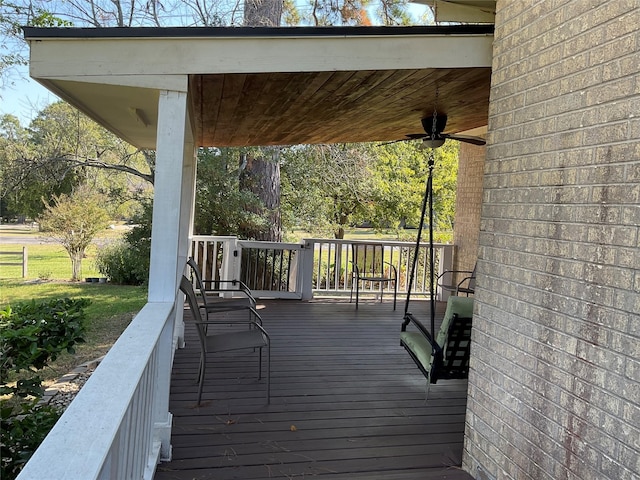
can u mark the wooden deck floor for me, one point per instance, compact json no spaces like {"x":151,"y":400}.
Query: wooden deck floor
{"x":346,"y":403}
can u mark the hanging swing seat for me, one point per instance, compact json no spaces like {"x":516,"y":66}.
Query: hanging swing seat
{"x":446,"y":357}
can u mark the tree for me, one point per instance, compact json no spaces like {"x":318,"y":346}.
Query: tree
{"x":400,"y":175}
{"x":13,"y":16}
{"x":74,"y":221}
{"x":222,"y":208}
{"x":25,"y":179}
{"x":62,"y":149}
{"x":328,"y":187}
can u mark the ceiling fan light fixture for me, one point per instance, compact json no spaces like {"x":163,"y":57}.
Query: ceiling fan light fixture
{"x":433,"y":143}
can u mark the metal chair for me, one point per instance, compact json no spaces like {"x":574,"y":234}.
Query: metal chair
{"x":369,"y":266}
{"x":211,"y":300}
{"x":467,"y":285}
{"x":254,"y":337}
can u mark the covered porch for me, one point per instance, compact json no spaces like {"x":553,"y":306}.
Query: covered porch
{"x":174,"y":90}
{"x":346,"y":402}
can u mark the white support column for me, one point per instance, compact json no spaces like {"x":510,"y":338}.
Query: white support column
{"x":173,"y":133}
{"x":445,"y":263}
{"x":174,"y":178}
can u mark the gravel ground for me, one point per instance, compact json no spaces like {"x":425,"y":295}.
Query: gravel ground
{"x":61,"y":393}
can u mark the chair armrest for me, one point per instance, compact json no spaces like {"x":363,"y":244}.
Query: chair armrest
{"x":393,"y":267}
{"x":255,"y":317}
{"x":453,"y":271}
{"x":410,"y":319}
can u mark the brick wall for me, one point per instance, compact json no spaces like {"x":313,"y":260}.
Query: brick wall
{"x":468,"y":205}
{"x":554,"y":391}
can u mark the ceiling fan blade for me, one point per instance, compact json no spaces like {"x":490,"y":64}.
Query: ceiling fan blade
{"x":395,"y":141}
{"x":410,"y":137}
{"x":466,"y":139}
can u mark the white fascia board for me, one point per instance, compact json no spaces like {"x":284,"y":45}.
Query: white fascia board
{"x":178,"y":83}
{"x":122,"y":57}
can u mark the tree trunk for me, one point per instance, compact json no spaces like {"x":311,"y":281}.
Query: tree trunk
{"x":262,"y":13}
{"x":76,"y":265}
{"x":262,"y":177}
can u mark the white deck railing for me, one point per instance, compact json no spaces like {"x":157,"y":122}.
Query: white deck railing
{"x":118,"y":426}
{"x":313,"y":267}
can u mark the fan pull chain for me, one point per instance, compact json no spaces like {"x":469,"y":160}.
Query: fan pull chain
{"x":435,"y":117}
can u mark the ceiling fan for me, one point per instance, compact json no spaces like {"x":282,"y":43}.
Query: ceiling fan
{"x":434,"y":138}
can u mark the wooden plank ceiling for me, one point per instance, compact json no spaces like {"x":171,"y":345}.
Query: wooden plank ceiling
{"x":334,"y":107}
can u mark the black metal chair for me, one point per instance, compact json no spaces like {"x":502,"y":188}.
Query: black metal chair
{"x":210,"y":291}
{"x":256,"y":337}
{"x":369,"y":266}
{"x":467,"y":285}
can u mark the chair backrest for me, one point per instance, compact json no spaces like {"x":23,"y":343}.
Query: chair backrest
{"x":196,"y":273}
{"x":462,"y":306}
{"x":368,"y":258}
{"x":187,"y":289}
{"x":472,"y":279}
{"x":199,"y":283}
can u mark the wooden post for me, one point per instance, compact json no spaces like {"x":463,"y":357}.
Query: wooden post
{"x":25,"y":261}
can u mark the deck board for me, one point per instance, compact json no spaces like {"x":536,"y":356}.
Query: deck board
{"x":346,"y":402}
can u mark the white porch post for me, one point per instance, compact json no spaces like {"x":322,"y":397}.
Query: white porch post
{"x":174,"y":176}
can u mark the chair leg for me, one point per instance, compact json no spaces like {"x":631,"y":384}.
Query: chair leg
{"x":357,"y":292}
{"x":268,"y":374}
{"x":351,"y":294}
{"x":203,"y":367}
{"x":395,"y":293}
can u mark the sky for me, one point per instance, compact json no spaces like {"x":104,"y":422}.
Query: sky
{"x":23,"y":96}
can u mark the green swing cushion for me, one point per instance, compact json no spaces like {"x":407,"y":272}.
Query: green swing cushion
{"x":419,"y":346}
{"x":463,"y":306}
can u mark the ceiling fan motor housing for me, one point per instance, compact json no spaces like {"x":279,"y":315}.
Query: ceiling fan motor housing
{"x":441,"y":122}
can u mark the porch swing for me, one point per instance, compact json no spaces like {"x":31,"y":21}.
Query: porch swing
{"x":445,"y":355}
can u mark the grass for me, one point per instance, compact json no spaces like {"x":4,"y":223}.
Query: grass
{"x":46,"y":261}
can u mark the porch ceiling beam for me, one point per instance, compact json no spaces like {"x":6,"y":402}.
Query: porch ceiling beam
{"x":80,"y":60}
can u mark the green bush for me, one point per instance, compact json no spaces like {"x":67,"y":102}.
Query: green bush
{"x":33,"y":334}
{"x":122,"y":265}
{"x":127,"y":262}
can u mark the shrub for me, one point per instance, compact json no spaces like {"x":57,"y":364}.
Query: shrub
{"x":32,"y":335}
{"x":127,"y":262}
{"x":123,"y":265}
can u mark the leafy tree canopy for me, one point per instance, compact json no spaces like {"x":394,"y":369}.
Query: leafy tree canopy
{"x":61,"y":149}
